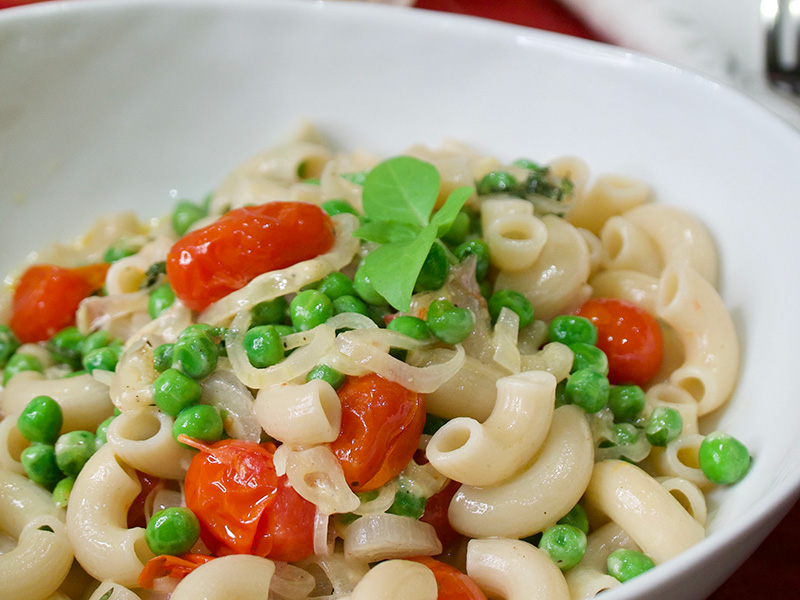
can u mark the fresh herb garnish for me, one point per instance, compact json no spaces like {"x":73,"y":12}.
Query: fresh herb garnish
{"x":107,"y":595}
{"x":398,"y":198}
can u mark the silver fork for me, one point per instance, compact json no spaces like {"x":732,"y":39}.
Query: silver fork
{"x":781,"y":19}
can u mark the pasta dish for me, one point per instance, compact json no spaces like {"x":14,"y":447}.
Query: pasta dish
{"x":338,"y":376}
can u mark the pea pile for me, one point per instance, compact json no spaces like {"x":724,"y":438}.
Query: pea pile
{"x":54,"y":459}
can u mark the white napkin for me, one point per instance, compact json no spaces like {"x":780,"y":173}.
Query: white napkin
{"x":723,"y":39}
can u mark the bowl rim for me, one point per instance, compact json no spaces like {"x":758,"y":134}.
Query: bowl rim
{"x":782,"y":495}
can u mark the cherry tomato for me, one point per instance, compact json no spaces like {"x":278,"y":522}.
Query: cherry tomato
{"x":210,"y":263}
{"x":630,"y":337}
{"x":47,"y":297}
{"x":436,"y":514}
{"x":453,"y":584}
{"x":243,"y":506}
{"x":381,"y":425}
{"x":166,"y":565}
{"x":136,"y":512}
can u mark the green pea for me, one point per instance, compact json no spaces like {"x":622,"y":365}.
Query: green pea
{"x":723,"y":458}
{"x":115,"y":253}
{"x":577,"y":518}
{"x":41,"y":420}
{"x":162,"y":357}
{"x":62,"y":491}
{"x":623,"y":564}
{"x":337,"y":284}
{"x":161,"y":298}
{"x":564,"y":544}
{"x":413,"y":327}
{"x":365,"y":289}
{"x":174,"y":391}
{"x":101,"y":435}
{"x":200,"y":421}
{"x":199,"y":328}
{"x":93,"y":341}
{"x":569,"y":329}
{"x":433,"y":424}
{"x":663,"y":426}
{"x":561,"y":397}
{"x":337,"y":207}
{"x":73,"y":450}
{"x":588,"y":389}
{"x":328,"y":374}
{"x":514,"y":301}
{"x":624,"y":434}
{"x":185,"y":215}
{"x":309,"y":309}
{"x":496,"y":182}
{"x":434,"y":270}
{"x":480,"y":250}
{"x":270,"y":312}
{"x":459,"y":230}
{"x":346,"y":304}
{"x":448,"y":323}
{"x":407,"y":505}
{"x":118,"y":347}
{"x":284,"y":330}
{"x":626,"y":402}
{"x":526,"y":163}
{"x":8,"y":344}
{"x":586,"y":356}
{"x":172,"y":531}
{"x":485,"y":287}
{"x":65,"y":346}
{"x":104,"y":359}
{"x":39,"y":462}
{"x":19,"y":363}
{"x":379,"y":314}
{"x":263,"y":346}
{"x":195,"y":354}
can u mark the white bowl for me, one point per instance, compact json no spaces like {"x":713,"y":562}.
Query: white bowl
{"x":129,"y":104}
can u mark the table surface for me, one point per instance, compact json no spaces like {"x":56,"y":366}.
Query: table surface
{"x":773,"y":571}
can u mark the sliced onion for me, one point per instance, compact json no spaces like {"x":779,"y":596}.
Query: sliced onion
{"x":322,"y":545}
{"x":223,"y":390}
{"x":370,"y":349}
{"x":285,"y":281}
{"x":504,"y":340}
{"x":290,"y":582}
{"x":379,"y":537}
{"x":382,"y":502}
{"x":301,"y":361}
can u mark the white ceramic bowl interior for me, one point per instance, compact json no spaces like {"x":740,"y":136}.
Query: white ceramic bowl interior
{"x":130,"y":104}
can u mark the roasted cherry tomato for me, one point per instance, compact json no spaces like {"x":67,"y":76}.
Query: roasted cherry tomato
{"x":210,"y":263}
{"x":436,"y":514}
{"x":243,"y":506}
{"x":166,"y":565}
{"x":630,"y":337}
{"x":453,"y":584}
{"x":136,"y":512}
{"x":381,"y":425}
{"x":47,"y":297}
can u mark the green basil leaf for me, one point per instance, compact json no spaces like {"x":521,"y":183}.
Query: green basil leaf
{"x":386,"y":232}
{"x":444,"y":217}
{"x":393,"y":268}
{"x":401,"y":189}
{"x":358,"y":177}
{"x":107,"y":595}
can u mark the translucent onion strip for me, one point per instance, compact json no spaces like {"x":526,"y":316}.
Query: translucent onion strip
{"x":318,"y":341}
{"x":290,"y":582}
{"x":370,"y":349}
{"x":285,"y":281}
{"x":504,"y":340}
{"x":379,"y":537}
{"x":382,"y":502}
{"x":321,"y":545}
{"x":223,"y":390}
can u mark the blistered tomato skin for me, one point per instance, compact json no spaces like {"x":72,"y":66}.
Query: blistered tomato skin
{"x":452,"y":583}
{"x":46,"y":298}
{"x":629,"y":336}
{"x":381,"y":425}
{"x":209,"y":263}
{"x":243,"y":506}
